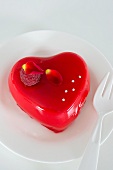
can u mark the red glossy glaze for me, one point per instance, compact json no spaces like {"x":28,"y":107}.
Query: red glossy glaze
{"x":53,"y":105}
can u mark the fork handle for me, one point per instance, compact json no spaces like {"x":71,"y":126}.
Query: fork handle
{"x":91,"y":154}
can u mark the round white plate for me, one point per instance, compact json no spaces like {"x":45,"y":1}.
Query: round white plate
{"x":23,"y":135}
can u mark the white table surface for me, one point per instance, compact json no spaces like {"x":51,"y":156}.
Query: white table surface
{"x":91,"y":20}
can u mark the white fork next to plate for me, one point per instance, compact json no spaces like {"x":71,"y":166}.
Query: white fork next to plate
{"x":103,"y":103}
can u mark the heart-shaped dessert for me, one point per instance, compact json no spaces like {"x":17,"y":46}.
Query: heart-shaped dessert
{"x":52,"y":89}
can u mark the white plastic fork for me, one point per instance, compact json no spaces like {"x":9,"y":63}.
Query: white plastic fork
{"x":103,"y":103}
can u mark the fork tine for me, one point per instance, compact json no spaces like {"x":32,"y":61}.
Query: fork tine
{"x":101,"y":87}
{"x":108,"y":89}
{"x":111,"y":93}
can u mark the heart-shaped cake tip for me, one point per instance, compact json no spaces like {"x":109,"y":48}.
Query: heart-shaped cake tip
{"x":51,"y":89}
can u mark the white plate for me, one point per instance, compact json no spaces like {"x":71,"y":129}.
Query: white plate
{"x":23,"y":135}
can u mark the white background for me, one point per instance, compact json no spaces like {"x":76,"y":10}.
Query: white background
{"x":91,"y":20}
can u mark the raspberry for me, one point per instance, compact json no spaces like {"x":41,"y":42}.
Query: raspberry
{"x":29,"y":79}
